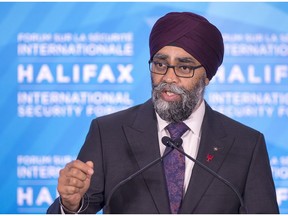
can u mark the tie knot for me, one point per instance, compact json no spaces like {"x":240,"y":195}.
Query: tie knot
{"x":176,"y":130}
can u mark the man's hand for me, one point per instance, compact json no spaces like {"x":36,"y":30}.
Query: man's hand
{"x":73,"y":182}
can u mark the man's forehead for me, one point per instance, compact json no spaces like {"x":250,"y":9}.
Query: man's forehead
{"x":181,"y":58}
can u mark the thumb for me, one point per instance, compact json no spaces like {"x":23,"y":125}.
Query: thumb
{"x":91,"y":165}
{"x":90,"y":172}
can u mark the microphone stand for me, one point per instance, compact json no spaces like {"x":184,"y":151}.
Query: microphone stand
{"x":106,"y":207}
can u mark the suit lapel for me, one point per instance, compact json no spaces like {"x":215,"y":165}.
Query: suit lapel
{"x":214,"y":146}
{"x":143,"y":139}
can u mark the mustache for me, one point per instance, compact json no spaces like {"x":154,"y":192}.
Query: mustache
{"x":169,"y":87}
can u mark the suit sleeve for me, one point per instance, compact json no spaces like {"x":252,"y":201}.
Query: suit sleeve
{"x":259,"y":195}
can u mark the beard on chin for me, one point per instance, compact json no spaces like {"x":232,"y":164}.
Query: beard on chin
{"x":177,"y":111}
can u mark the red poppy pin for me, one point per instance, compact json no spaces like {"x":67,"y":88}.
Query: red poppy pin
{"x":209,"y":157}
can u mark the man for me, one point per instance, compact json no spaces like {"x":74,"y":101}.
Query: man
{"x":185,"y":53}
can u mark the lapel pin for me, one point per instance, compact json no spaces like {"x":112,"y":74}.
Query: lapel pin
{"x":209,"y":157}
{"x":215,"y":148}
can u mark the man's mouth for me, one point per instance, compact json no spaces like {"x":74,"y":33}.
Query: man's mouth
{"x":169,"y":93}
{"x":170,"y":96}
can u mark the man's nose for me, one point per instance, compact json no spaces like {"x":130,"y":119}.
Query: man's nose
{"x":170,"y":76}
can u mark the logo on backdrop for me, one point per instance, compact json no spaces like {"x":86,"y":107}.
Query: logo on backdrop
{"x":260,"y":85}
{"x":279,"y":166}
{"x":67,"y":75}
{"x":36,"y":179}
{"x":74,"y":75}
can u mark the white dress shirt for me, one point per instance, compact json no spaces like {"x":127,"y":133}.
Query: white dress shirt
{"x":191,"y":138}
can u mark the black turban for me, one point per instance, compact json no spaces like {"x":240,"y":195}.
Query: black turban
{"x":193,"y":33}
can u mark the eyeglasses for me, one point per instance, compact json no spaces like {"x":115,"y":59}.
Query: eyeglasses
{"x":185,"y":71}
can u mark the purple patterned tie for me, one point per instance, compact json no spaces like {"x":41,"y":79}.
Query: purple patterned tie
{"x":174,"y":166}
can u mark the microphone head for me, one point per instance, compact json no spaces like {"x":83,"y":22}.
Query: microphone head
{"x":167,"y":141}
{"x":178,"y":142}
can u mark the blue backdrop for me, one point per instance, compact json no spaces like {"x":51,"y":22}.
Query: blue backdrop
{"x":63,"y":64}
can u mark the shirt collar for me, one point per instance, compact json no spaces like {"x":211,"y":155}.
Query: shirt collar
{"x":194,"y":121}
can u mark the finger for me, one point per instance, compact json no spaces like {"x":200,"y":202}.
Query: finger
{"x":70,"y":181}
{"x":78,"y":169}
{"x":70,"y":172}
{"x":76,"y":173}
{"x":81,"y":166}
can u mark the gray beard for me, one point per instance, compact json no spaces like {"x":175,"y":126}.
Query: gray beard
{"x":177,"y":111}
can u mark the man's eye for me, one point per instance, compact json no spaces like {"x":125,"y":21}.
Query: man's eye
{"x":159,"y":64}
{"x":184,"y":68}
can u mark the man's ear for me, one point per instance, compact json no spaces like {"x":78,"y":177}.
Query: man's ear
{"x":207,"y":81}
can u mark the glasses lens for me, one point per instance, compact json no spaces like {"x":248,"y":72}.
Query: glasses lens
{"x":158,"y":67}
{"x":184,"y":71}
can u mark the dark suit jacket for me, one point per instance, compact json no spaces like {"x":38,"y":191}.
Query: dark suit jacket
{"x":122,"y":143}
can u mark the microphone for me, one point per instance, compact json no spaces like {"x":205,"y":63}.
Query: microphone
{"x":106,"y":207}
{"x":174,"y":145}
